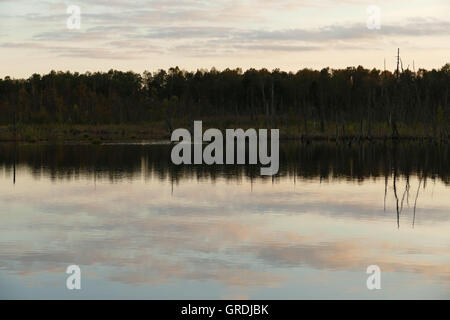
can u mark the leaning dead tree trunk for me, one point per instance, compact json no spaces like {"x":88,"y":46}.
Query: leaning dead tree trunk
{"x":369,"y":102}
{"x":394,"y":107}
{"x":263,"y":95}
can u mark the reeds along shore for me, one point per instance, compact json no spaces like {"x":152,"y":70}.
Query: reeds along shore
{"x":97,"y":134}
{"x":335,"y":104}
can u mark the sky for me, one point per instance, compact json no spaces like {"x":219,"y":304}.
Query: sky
{"x":200,"y":34}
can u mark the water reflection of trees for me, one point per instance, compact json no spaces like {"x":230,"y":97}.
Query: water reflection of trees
{"x":395,"y":162}
{"x":399,"y":204}
{"x":323,"y":161}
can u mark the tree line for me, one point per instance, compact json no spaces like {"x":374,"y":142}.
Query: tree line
{"x":353,"y":98}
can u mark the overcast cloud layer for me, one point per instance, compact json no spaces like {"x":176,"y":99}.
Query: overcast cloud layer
{"x":289,"y":34}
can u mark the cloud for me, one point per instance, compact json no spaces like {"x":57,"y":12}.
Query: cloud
{"x":97,"y":52}
{"x":189,"y":33}
{"x":185,"y":236}
{"x":128,"y":42}
{"x":347,"y":32}
{"x":278,"y":47}
{"x":201,"y":33}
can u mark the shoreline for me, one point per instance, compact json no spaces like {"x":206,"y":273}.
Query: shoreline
{"x":133,"y":133}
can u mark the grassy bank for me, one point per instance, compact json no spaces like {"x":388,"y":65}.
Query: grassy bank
{"x":95,"y":134}
{"x":289,"y":129}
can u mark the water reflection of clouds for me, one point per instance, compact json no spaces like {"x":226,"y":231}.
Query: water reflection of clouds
{"x":148,"y":234}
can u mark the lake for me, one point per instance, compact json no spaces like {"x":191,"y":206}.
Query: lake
{"x":140,"y":227}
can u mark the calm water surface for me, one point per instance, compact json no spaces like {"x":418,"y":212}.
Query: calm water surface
{"x":140,"y":227}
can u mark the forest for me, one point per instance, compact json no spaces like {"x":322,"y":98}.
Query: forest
{"x":332,"y":103}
